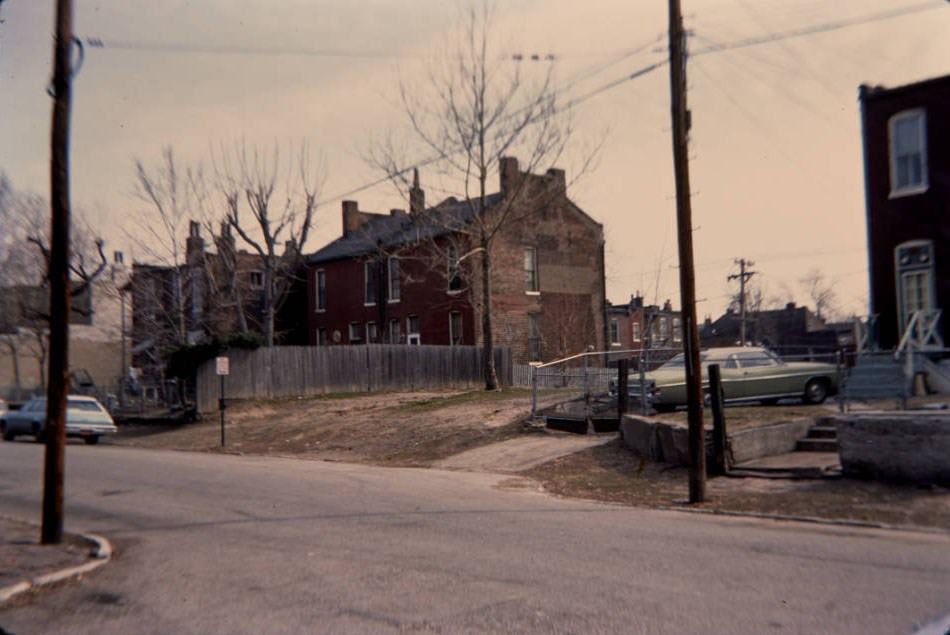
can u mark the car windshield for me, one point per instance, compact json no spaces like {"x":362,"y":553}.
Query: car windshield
{"x":678,"y":361}
{"x":86,"y":406}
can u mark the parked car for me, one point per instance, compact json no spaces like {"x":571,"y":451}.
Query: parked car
{"x":85,"y":418}
{"x":750,"y":373}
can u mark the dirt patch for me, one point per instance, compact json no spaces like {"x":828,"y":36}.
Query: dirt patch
{"x":398,"y":429}
{"x":611,"y":473}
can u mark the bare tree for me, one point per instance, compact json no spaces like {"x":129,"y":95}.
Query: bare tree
{"x":24,"y":264}
{"x":281,"y":207}
{"x":172,"y":197}
{"x":821,"y":292}
{"x":473,"y":111}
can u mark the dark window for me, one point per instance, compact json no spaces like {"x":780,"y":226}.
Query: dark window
{"x":534,"y":338}
{"x":369,"y":283}
{"x":321,"y":284}
{"x":530,"y":269}
{"x":455,"y":328}
{"x":393,"y":278}
{"x":355,"y":334}
{"x":394,"y":333}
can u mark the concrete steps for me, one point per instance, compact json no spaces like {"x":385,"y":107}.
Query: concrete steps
{"x":821,"y":437}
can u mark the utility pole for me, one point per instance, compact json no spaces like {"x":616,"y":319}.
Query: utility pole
{"x":59,"y":287}
{"x":743,"y":275}
{"x":684,"y":224}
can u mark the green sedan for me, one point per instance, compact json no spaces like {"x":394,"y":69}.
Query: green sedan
{"x":748,"y":373}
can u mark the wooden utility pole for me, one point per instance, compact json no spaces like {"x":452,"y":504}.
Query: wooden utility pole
{"x":742,"y":276}
{"x":59,"y":288}
{"x":684,"y":224}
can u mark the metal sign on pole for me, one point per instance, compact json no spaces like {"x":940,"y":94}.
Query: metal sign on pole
{"x":222,"y":366}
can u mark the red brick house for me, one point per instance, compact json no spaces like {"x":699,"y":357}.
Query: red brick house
{"x":404,"y":278}
{"x":906,"y":132}
{"x":635,"y":326}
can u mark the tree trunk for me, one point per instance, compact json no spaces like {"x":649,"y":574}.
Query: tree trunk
{"x":488,"y":340}
{"x":269,"y":303}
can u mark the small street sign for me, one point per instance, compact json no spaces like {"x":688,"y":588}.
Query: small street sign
{"x":222,"y":365}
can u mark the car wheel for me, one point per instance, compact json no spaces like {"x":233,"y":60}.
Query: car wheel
{"x":94,"y":439}
{"x":816,"y":390}
{"x":37,"y":433}
{"x":7,"y":436}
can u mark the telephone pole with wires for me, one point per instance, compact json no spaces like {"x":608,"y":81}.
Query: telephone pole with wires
{"x":684,"y":225}
{"x":743,"y":275}
{"x":59,"y":289}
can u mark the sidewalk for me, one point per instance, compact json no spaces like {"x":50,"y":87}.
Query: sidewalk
{"x":24,"y":563}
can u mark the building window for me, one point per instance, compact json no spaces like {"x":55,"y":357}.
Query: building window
{"x":369,"y":283}
{"x":394,"y":333}
{"x":197,"y":297}
{"x":257,"y":279}
{"x":321,"y":287}
{"x":664,"y":328}
{"x":534,"y":337}
{"x":412,"y":330}
{"x":456,"y":335}
{"x":614,"y":332}
{"x":371,"y":332}
{"x":530,"y":270}
{"x":677,"y":330}
{"x":355,"y":333}
{"x":907,"y":132}
{"x":321,"y":337}
{"x":636,"y":331}
{"x":452,"y":265}
{"x":392,"y":277}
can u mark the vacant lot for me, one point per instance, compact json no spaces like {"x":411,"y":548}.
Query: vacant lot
{"x":426,"y":429}
{"x":400,"y":429}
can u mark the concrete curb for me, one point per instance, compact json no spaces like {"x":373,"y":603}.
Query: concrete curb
{"x":101,"y":553}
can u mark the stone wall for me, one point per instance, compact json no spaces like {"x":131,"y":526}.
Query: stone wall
{"x":896,"y":446}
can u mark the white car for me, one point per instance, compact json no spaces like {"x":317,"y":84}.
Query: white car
{"x":85,"y":418}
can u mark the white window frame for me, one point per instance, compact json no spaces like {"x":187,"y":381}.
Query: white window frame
{"x":367,"y":277}
{"x":391,"y":297}
{"x":320,"y":289}
{"x":635,"y":331}
{"x":531,"y":256}
{"x":355,"y":332}
{"x":614,"y":332}
{"x":920,"y":115}
{"x":677,"y":330}
{"x":453,"y":336}
{"x":395,"y":335}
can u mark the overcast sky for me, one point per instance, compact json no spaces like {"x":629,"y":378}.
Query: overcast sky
{"x":775,"y":157}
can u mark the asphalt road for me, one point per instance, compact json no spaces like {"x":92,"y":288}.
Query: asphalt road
{"x":228,"y":544}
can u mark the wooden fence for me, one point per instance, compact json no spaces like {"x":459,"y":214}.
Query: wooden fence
{"x":284,"y":371}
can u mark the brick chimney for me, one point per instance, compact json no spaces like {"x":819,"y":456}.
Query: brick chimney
{"x":195,"y":245}
{"x":556,"y":180}
{"x":417,"y":196}
{"x":507,"y":173}
{"x":353,"y":218}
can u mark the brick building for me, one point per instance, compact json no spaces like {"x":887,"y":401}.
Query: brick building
{"x":193,"y":301}
{"x":413,"y":278}
{"x":635,"y":326}
{"x":790,"y":330}
{"x":906,"y":132}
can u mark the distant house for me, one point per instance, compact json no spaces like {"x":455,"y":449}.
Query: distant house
{"x":191,"y":302}
{"x":636,"y":327}
{"x":95,"y":333}
{"x":404,"y":278}
{"x":906,"y":133}
{"x":791,"y":330}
